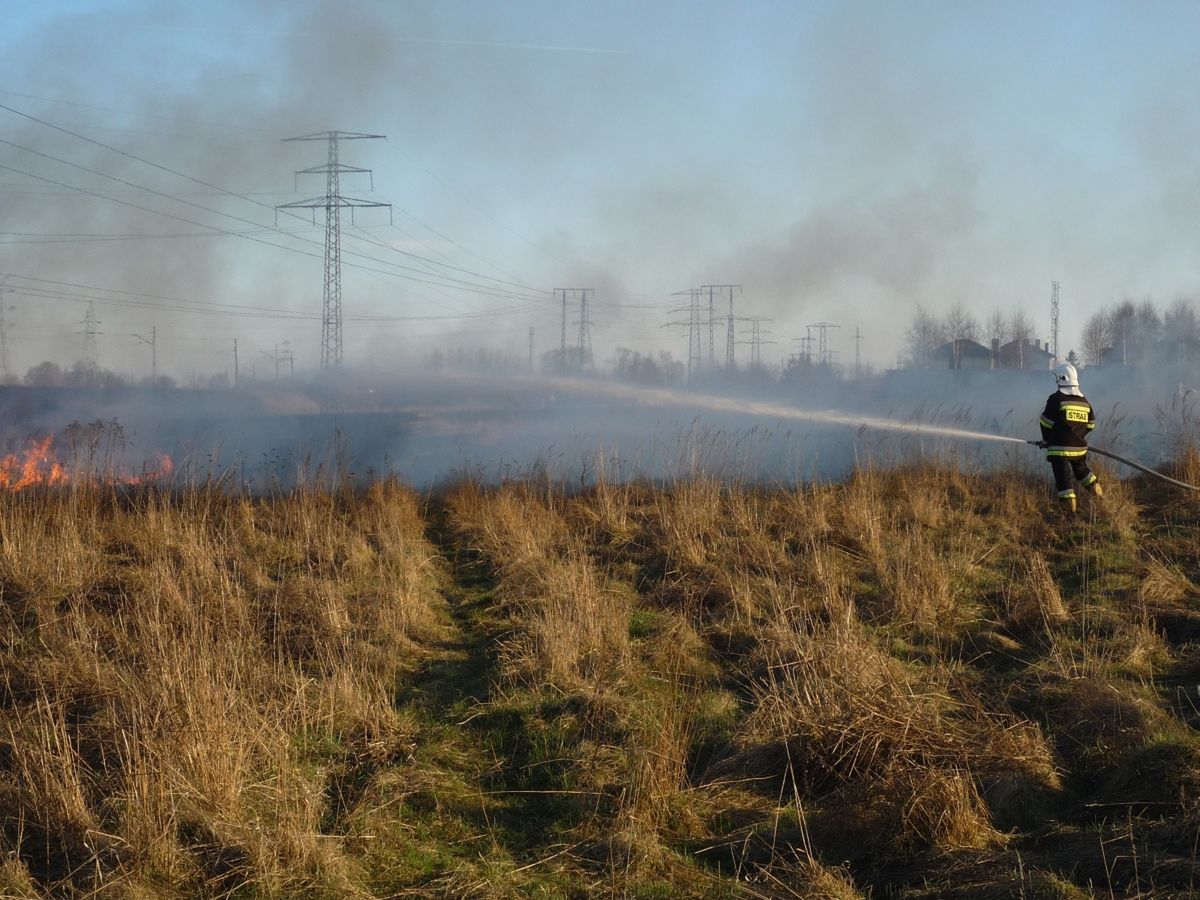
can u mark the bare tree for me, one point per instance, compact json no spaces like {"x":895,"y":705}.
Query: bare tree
{"x":1122,"y":330}
{"x":960,"y":325}
{"x":1021,"y":328}
{"x":923,"y":336}
{"x":1181,"y":331}
{"x":1096,"y":338}
{"x":1148,"y":333}
{"x":997,"y":332}
{"x":997,"y":326}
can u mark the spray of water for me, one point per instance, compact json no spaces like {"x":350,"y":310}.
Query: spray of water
{"x":664,"y":397}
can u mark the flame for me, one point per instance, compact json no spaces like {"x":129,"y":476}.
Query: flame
{"x":38,"y":466}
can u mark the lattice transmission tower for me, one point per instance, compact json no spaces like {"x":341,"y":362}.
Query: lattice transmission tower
{"x":714,"y":291}
{"x":693,"y":325}
{"x":91,"y":353}
{"x":572,"y":359}
{"x":333,"y":202}
{"x":824,"y":353}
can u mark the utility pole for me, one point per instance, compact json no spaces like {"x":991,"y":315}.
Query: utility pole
{"x":289,"y":357}
{"x":332,"y":203}
{"x":1054,"y":317}
{"x":857,"y":353}
{"x":235,"y":363}
{"x":530,"y":349}
{"x":153,"y":342}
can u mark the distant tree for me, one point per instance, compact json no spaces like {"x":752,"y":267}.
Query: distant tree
{"x":996,"y":326}
{"x":1073,"y":358}
{"x":1096,"y":338}
{"x":45,"y":374}
{"x":1124,"y":330}
{"x":1020,"y":326}
{"x":1021,"y":331}
{"x":925,"y":334}
{"x":1181,"y":331}
{"x":1149,"y":326}
{"x":641,"y":368}
{"x":85,"y":375}
{"x":960,"y":325}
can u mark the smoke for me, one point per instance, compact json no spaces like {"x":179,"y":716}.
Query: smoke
{"x":842,"y":163}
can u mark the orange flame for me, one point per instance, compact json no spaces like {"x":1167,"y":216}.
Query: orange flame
{"x":39,"y":466}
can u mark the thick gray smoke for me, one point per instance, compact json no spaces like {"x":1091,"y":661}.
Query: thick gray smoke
{"x":844,"y":163}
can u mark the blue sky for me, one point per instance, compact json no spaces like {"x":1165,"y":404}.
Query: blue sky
{"x":843,"y":161}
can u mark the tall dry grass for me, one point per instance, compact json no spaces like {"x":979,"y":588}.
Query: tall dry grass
{"x":571,"y":622}
{"x":200,"y":689}
{"x":171,"y":660}
{"x":841,"y":711}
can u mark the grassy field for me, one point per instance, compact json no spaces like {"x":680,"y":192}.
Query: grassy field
{"x":919,"y":683}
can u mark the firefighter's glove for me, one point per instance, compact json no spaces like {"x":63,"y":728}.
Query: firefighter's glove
{"x":1042,"y":445}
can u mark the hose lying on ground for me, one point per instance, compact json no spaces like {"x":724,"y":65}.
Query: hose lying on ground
{"x":1138,"y":466}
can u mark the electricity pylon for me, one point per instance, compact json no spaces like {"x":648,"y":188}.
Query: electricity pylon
{"x":693,"y":327}
{"x":565,"y":361}
{"x":332,"y":203}
{"x":91,"y":353}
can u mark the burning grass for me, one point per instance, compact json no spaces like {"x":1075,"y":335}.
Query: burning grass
{"x":915,"y":682}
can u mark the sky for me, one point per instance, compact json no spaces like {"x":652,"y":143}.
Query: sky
{"x":844,"y":162}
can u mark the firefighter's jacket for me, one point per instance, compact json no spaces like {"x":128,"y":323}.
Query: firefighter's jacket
{"x":1065,"y":422}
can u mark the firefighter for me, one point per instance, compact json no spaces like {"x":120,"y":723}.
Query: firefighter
{"x":1066,"y":421}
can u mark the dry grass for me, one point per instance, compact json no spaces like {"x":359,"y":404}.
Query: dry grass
{"x":572,"y":624}
{"x":851,"y":712}
{"x":699,"y":687}
{"x":167,"y":661}
{"x":1033,"y":599}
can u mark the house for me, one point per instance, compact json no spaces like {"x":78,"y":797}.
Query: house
{"x":962,"y":353}
{"x":1022,"y":355}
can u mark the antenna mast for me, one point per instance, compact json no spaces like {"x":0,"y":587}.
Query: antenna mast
{"x":1054,"y":318}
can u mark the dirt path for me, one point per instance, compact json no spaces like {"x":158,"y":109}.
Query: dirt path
{"x":483,"y":807}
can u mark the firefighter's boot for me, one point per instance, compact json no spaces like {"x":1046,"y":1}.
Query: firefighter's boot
{"x":1096,"y":490}
{"x":1067,"y":504}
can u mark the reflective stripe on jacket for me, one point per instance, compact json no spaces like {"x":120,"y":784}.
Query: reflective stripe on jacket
{"x":1065,"y":423}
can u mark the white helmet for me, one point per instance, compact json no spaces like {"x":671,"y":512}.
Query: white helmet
{"x":1066,"y":376}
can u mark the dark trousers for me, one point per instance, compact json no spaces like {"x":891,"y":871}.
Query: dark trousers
{"x":1064,"y":467}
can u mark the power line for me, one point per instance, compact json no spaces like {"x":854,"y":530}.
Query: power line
{"x":136,"y":300}
{"x":455,"y":283}
{"x":445,"y":184}
{"x":219,"y":189}
{"x":433,"y":279}
{"x":465,"y":286}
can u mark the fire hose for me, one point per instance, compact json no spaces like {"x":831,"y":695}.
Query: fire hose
{"x":1134,"y":465}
